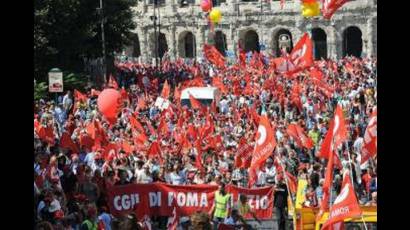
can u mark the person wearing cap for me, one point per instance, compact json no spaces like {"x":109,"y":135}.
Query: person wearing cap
{"x":221,"y":207}
{"x":280,"y":202}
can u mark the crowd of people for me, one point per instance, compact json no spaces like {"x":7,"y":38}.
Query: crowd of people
{"x":71,"y":180}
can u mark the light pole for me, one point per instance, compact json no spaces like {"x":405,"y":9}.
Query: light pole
{"x":104,"y":67}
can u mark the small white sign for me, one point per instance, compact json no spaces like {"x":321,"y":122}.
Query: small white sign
{"x":162,"y":103}
{"x":55,"y":82}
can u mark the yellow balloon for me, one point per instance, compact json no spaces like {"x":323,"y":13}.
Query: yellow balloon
{"x":215,"y":15}
{"x":310,"y":10}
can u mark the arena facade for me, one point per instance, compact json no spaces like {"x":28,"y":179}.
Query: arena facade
{"x":182,"y":29}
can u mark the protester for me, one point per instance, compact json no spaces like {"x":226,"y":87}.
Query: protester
{"x":221,"y":208}
{"x":79,"y":155}
{"x":281,"y":203}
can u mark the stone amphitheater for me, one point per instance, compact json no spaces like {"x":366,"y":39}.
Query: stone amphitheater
{"x":256,"y":25}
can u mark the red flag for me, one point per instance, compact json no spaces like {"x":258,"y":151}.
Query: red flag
{"x":213,"y":56}
{"x":327,"y":185}
{"x":78,"y":97}
{"x":329,"y":7}
{"x":151,"y":129}
{"x":339,"y":129}
{"x":295,"y":96}
{"x":112,"y":82}
{"x":126,"y":147}
{"x":163,"y":127}
{"x":110,"y":151}
{"x":165,"y":90}
{"x":66,"y":142}
{"x":86,"y":140}
{"x":253,"y":177}
{"x":369,"y":148}
{"x":327,"y":147}
{"x":292,"y":182}
{"x":124,"y":95}
{"x":154,"y":149}
{"x":315,"y":73}
{"x":177,"y":95}
{"x":244,"y":153}
{"x":136,"y":124}
{"x":301,"y":56}
{"x":345,"y":205}
{"x":198,"y":159}
{"x":174,"y":219}
{"x":194,"y":102}
{"x":296,"y":132}
{"x":217,"y":82}
{"x":265,"y":143}
{"x":141,"y":103}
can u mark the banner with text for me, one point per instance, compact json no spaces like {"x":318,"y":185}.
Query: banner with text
{"x":157,"y":199}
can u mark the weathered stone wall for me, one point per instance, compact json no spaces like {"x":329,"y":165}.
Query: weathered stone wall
{"x":239,"y":17}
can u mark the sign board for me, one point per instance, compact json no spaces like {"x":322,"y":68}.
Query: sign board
{"x":162,"y":103}
{"x":55,"y":82}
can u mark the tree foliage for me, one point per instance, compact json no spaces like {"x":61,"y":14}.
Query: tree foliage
{"x":66,"y":31}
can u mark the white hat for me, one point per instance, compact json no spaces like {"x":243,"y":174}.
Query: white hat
{"x":54,"y":206}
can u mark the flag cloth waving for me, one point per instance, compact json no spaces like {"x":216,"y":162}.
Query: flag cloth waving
{"x":345,"y":205}
{"x":329,"y":7}
{"x":369,"y":148}
{"x":301,"y":56}
{"x":265,"y":143}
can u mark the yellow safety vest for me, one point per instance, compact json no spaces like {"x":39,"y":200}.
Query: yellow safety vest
{"x":90,"y":225}
{"x":220,"y":205}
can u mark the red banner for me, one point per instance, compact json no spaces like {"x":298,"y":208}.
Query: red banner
{"x":260,"y":200}
{"x":157,"y":199}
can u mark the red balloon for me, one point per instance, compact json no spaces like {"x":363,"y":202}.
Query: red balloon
{"x":206,"y":5}
{"x":109,"y":103}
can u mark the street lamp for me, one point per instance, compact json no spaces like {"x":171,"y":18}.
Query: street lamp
{"x":104,"y":67}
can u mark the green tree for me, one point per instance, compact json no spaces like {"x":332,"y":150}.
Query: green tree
{"x":66,"y":31}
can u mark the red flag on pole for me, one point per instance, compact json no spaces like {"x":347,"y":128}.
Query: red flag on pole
{"x":301,"y":56}
{"x":165,"y":90}
{"x":329,"y":7}
{"x":194,"y":102}
{"x":345,"y":205}
{"x":265,"y":143}
{"x":297,"y":133}
{"x":369,"y":148}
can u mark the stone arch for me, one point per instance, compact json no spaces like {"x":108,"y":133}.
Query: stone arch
{"x":319,"y":40}
{"x":186,"y":45}
{"x":221,"y":42}
{"x":352,"y":43}
{"x":134,"y":49}
{"x":249,"y":40}
{"x":162,"y":45}
{"x":282,"y":38}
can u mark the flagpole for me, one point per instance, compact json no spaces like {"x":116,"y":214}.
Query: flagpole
{"x":286,"y":179}
{"x":364,"y":222}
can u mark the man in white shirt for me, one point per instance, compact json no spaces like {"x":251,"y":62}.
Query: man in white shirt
{"x":145,"y":177}
{"x":267,"y":176}
{"x":67,"y":102}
